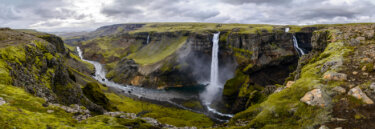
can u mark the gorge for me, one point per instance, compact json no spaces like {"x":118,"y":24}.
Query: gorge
{"x":207,"y":75}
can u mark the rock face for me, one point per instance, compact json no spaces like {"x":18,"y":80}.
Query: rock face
{"x":314,"y":98}
{"x":357,"y":93}
{"x":264,"y":57}
{"x":41,"y":69}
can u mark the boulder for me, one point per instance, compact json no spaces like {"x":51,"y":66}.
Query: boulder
{"x":357,"y":93}
{"x":113,"y":114}
{"x":50,"y":111}
{"x":333,"y":65}
{"x":361,"y":38}
{"x":2,"y":101}
{"x":289,"y":84}
{"x":323,"y":127}
{"x":333,"y":76}
{"x":314,"y":98}
{"x":152,"y":121}
{"x":369,"y":34}
{"x":339,"y":89}
{"x":372,"y":86}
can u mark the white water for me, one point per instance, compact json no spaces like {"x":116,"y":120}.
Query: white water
{"x":148,"y":38}
{"x":151,"y":94}
{"x":213,"y":89}
{"x":287,"y":29}
{"x":295,"y":43}
{"x":158,"y":95}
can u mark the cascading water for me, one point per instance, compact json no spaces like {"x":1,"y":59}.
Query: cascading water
{"x":295,"y":43}
{"x":148,"y":38}
{"x":287,"y":29}
{"x":214,"y":87}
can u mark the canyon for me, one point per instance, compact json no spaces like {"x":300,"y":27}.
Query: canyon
{"x":203,"y":75}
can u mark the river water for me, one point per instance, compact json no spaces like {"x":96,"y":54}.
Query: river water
{"x":170,"y":96}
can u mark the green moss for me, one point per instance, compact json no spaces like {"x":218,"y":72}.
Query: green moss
{"x":173,"y":116}
{"x":13,"y":54}
{"x":4,"y":73}
{"x":87,"y":64}
{"x":359,"y":116}
{"x":283,"y":109}
{"x":232,"y":86}
{"x":93,"y":92}
{"x":193,"y":104}
{"x":49,"y":56}
{"x":248,"y":67}
{"x":136,"y":123}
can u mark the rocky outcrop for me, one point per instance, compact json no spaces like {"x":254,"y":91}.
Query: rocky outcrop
{"x":335,"y":76}
{"x":314,"y":98}
{"x":40,"y":67}
{"x":357,"y":93}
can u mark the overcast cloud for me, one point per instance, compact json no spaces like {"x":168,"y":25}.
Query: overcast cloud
{"x":80,"y":15}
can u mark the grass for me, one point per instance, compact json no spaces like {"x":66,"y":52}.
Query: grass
{"x":172,"y":116}
{"x":276,"y":111}
{"x":203,"y":27}
{"x":157,"y":51}
{"x":26,"y":111}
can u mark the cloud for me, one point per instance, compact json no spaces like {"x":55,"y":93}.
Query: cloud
{"x":123,"y":8}
{"x":78,"y":15}
{"x":257,"y":1}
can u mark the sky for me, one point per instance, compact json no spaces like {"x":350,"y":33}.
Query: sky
{"x":86,"y":15}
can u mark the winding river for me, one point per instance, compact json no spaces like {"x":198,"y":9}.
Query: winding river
{"x":168,"y":96}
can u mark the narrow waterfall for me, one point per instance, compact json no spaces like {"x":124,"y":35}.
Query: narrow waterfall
{"x":295,"y":43}
{"x":214,"y":86}
{"x":287,"y":29}
{"x":148,"y":38}
{"x":213,"y":89}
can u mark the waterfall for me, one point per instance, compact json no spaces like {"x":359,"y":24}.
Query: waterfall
{"x":148,"y":38}
{"x":158,"y":95}
{"x":213,"y":89}
{"x":287,"y":29}
{"x":295,"y":43}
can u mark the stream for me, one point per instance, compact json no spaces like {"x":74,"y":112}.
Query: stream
{"x":169,"y":96}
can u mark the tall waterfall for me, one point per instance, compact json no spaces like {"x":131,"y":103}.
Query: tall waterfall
{"x":148,"y":38}
{"x":213,"y":88}
{"x":295,"y":43}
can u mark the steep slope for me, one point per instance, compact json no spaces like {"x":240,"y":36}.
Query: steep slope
{"x":45,"y":85}
{"x":332,"y":85}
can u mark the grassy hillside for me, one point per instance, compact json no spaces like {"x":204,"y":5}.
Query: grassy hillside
{"x":24,"y":110}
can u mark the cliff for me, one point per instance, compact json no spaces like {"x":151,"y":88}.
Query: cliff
{"x":44,"y":84}
{"x":266,"y":82}
{"x":179,"y":54}
{"x":331,"y":86}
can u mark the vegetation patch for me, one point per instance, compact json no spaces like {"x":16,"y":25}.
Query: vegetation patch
{"x":168,"y":115}
{"x":157,"y":51}
{"x":284,"y":109}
